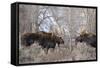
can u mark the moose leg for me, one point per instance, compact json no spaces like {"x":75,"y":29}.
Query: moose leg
{"x":46,"y":50}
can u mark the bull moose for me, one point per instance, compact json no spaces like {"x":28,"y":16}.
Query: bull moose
{"x":45,"y":40}
{"x":88,"y":38}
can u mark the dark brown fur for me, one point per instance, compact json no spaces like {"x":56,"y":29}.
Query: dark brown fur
{"x":28,"y":38}
{"x":87,"y":38}
{"x":45,"y":40}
